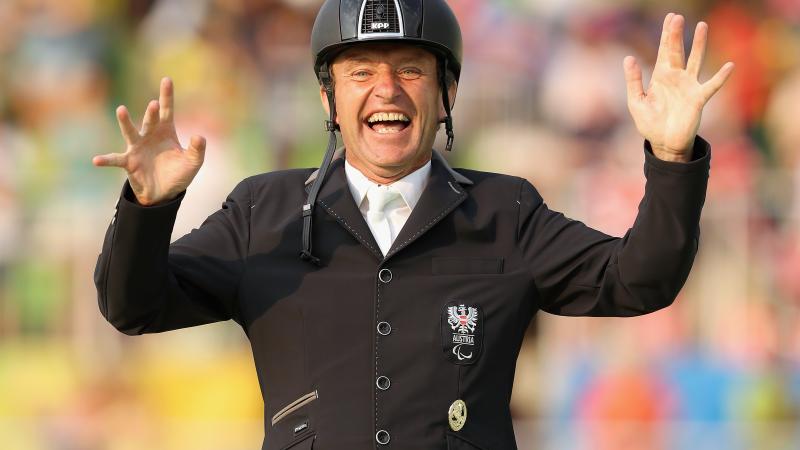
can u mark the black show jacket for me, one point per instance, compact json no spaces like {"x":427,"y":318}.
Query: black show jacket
{"x":366,"y":348}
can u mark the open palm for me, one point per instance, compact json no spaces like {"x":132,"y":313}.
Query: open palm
{"x":158,"y":167}
{"x":668,"y":113}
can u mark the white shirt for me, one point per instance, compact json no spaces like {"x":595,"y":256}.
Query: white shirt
{"x":397,"y":212}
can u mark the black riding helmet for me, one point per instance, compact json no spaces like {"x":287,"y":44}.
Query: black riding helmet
{"x":429,"y":24}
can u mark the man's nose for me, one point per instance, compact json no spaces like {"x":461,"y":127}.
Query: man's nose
{"x":386,"y":85}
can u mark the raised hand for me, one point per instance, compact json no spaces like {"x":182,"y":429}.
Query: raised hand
{"x":158,"y":167}
{"x":668,"y":113}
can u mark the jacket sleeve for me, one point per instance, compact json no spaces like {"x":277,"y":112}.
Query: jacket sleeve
{"x":146,"y":285}
{"x":579,"y":271}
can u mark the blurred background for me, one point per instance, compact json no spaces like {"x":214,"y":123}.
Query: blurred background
{"x":542,"y":96}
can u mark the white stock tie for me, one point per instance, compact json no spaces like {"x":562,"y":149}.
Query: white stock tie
{"x":379,"y":197}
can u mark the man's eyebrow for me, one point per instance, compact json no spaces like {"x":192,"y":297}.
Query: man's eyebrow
{"x":356,"y":60}
{"x":365,"y":59}
{"x":418,"y":60}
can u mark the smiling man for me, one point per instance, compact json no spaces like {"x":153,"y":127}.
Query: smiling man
{"x":400,"y":327}
{"x":388,"y":107}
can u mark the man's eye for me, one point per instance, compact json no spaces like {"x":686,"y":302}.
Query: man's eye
{"x":410,"y":73}
{"x":360,"y":74}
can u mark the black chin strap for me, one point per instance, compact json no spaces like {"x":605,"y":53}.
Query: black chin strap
{"x":448,"y":120}
{"x":308,"y":207}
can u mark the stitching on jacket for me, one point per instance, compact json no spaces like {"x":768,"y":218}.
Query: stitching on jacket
{"x":377,"y":338}
{"x":354,"y":232}
{"x":519,"y":212}
{"x":429,"y":224}
{"x":540,"y":300}
{"x":108,"y":262}
{"x":236,"y":301}
{"x":114,"y":224}
{"x":249,"y":217}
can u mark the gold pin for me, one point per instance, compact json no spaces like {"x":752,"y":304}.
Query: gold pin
{"x":457,"y":415}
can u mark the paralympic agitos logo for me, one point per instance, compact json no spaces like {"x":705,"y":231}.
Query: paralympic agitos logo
{"x":462,"y":332}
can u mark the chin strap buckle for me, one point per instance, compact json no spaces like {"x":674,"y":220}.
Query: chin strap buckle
{"x":448,"y":126}
{"x":448,"y":119}
{"x":305,"y":255}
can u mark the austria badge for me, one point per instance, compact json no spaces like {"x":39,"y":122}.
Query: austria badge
{"x":462,"y":332}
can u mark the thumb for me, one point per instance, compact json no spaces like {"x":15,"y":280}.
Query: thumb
{"x":197,"y":148}
{"x":110,"y":160}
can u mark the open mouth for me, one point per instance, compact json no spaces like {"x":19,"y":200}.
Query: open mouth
{"x":388,"y":123}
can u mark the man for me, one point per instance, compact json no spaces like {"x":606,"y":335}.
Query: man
{"x":400,"y":327}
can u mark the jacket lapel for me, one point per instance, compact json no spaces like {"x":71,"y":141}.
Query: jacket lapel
{"x":443,"y":193}
{"x":337,"y":200}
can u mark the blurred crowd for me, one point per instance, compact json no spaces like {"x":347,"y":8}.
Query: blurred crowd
{"x":542,"y":96}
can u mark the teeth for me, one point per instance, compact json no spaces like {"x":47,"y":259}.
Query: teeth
{"x":387,"y":129}
{"x":383,"y":117}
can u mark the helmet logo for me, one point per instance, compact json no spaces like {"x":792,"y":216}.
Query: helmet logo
{"x":380,"y":19}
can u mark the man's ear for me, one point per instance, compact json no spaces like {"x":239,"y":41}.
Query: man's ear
{"x":451,"y":95}
{"x":323,"y":96}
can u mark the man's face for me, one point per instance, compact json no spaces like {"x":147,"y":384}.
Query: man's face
{"x":388,"y":107}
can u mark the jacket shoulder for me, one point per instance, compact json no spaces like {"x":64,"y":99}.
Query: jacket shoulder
{"x":283,"y":188}
{"x":490,"y":180}
{"x":286,"y":177}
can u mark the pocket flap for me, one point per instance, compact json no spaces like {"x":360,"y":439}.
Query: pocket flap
{"x":306,"y":443}
{"x":446,"y":265}
{"x":455,"y":442}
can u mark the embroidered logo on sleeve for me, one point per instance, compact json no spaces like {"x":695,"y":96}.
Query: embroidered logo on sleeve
{"x":462,"y":332}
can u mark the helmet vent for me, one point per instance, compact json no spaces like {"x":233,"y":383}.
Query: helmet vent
{"x":380,"y":18}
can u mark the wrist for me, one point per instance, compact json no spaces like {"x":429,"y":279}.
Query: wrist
{"x":666,"y":154}
{"x":142,"y":200}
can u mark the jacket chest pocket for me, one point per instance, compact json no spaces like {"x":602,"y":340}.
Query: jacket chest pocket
{"x":475,"y":296}
{"x":448,"y":265}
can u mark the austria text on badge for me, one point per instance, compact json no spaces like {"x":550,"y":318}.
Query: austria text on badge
{"x":462,"y":332}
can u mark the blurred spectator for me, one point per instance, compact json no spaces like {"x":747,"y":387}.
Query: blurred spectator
{"x":542,"y":96}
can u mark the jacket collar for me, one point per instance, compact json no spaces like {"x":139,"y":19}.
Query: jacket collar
{"x":443,"y":193}
{"x":435,"y":156}
{"x":409,"y":187}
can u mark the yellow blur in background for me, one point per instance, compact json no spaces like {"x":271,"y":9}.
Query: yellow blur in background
{"x":542,"y":95}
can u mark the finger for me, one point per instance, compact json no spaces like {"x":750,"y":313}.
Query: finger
{"x":197,"y":148}
{"x":150,"y":117}
{"x":126,"y":126}
{"x":711,"y":86}
{"x":633,"y":78}
{"x":110,"y":160}
{"x":698,"y":53}
{"x":677,"y":56}
{"x":662,"y":46}
{"x":166,"y":99}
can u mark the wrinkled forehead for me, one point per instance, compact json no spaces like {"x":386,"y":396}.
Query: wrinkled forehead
{"x":377,"y":52}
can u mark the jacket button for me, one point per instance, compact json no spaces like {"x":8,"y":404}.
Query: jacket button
{"x":384,"y":328}
{"x":382,"y":437}
{"x":385,"y":275}
{"x":383,"y":383}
